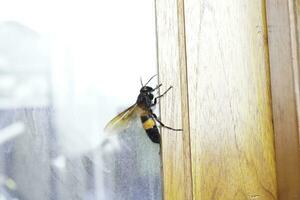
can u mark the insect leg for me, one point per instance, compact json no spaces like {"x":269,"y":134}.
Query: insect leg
{"x":158,"y":86}
{"x":155,"y":99}
{"x":163,"y":125}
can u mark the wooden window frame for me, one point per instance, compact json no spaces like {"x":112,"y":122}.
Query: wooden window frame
{"x":280,"y":35}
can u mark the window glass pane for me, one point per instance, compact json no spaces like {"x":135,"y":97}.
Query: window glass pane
{"x":66,"y":69}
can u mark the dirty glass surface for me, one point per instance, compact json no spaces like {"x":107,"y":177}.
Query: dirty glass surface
{"x":67,"y":68}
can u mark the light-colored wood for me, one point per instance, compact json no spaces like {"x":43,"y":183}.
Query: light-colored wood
{"x":232,"y":141}
{"x":184,"y":103}
{"x":295,"y":15}
{"x":285,"y":90}
{"x":171,"y":61}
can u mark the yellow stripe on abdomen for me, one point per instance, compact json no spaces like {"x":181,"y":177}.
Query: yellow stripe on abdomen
{"x":149,"y":123}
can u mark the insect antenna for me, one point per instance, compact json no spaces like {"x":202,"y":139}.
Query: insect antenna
{"x":141,"y":81}
{"x":150,"y":79}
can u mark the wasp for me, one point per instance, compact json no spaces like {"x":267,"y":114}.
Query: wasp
{"x":142,"y":109}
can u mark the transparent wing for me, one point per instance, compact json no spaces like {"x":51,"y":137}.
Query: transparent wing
{"x":122,"y":120}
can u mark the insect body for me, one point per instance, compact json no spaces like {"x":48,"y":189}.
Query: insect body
{"x":151,"y":129}
{"x":142,"y":109}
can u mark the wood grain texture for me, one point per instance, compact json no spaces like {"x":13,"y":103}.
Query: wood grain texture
{"x":232,"y":141}
{"x":184,"y":102}
{"x":283,"y":63}
{"x":171,"y":61}
{"x":295,"y":28}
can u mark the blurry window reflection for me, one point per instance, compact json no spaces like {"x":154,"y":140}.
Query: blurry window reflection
{"x":64,"y":73}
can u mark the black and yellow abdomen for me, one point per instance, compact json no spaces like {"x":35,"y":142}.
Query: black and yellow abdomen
{"x":151,"y":129}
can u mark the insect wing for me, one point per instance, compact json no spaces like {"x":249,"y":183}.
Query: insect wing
{"x":122,"y":120}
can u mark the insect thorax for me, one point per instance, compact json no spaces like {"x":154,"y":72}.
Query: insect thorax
{"x":144,"y":100}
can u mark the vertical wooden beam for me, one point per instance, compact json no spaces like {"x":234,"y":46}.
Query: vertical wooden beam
{"x":232,"y":141}
{"x":283,"y":60}
{"x":184,"y":102}
{"x":174,"y":107}
{"x":295,"y":27}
